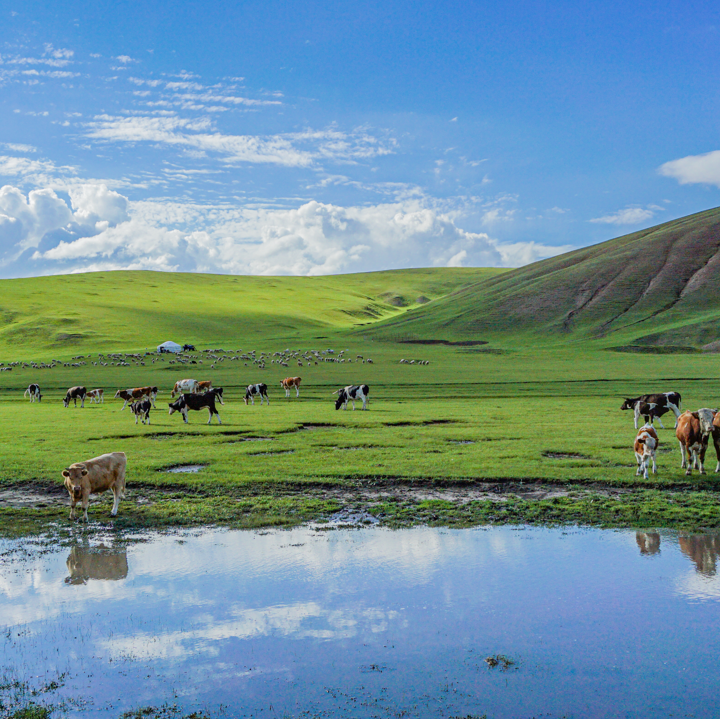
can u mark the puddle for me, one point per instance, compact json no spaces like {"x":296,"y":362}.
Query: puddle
{"x":461,"y":441}
{"x":318,"y":426}
{"x":351,"y":517}
{"x":250,"y":439}
{"x":421,"y":423}
{"x":352,"y":623}
{"x":183,"y":468}
{"x":565,"y":455}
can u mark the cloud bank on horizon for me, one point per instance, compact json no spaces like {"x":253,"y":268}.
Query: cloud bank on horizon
{"x":128,"y":160}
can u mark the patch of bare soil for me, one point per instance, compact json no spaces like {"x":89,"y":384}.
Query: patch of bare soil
{"x":565,"y":455}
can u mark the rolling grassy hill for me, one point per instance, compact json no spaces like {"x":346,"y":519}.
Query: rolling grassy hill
{"x":116,"y":311}
{"x":653,"y":288}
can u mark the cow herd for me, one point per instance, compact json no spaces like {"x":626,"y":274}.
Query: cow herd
{"x":693,"y":431}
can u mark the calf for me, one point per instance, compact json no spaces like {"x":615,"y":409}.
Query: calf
{"x":141,"y":409}
{"x":693,"y":432}
{"x":646,"y":444}
{"x":350,"y":394}
{"x":96,"y":395}
{"x":33,"y":391}
{"x":75,"y":394}
{"x":288,"y":383}
{"x":256,"y":389}
{"x":653,"y":405}
{"x":204,"y":386}
{"x":185,"y":385}
{"x":95,"y":476}
{"x":197,"y":402}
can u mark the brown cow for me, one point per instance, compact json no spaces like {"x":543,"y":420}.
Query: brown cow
{"x":95,"y":476}
{"x":693,"y":432}
{"x":136,"y":393}
{"x":288,"y":383}
{"x":204,"y":386}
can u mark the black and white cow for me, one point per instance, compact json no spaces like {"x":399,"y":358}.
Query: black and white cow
{"x":253,"y":390}
{"x":34,"y":392}
{"x":189,"y":348}
{"x":650,"y":406}
{"x":350,"y":394}
{"x":75,"y":394}
{"x":141,"y":409}
{"x":196,"y":402}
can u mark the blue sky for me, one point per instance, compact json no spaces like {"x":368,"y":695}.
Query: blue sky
{"x":318,"y":137}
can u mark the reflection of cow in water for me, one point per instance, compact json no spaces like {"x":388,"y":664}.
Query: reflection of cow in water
{"x":649,"y":542}
{"x":100,"y":562}
{"x":703,"y":549}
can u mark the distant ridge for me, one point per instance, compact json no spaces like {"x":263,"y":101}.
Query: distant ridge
{"x":659,"y":286}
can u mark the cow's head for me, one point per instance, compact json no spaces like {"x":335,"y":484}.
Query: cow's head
{"x":218,"y":392}
{"x":341,"y":399}
{"x":73,"y":478}
{"x":706,"y":417}
{"x":66,"y":400}
{"x":629,"y":404}
{"x":119,"y":393}
{"x":177,"y":405}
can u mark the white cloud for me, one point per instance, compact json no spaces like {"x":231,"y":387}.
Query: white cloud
{"x":694,"y":169}
{"x":628,"y":216}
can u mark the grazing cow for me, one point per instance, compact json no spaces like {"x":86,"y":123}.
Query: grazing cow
{"x":256,"y":389}
{"x":185,"y":385}
{"x":96,"y":395}
{"x":136,"y":393}
{"x":350,"y":394}
{"x":646,"y":444}
{"x":75,"y":394}
{"x":141,"y":409}
{"x":204,"y":386}
{"x":288,"y":383}
{"x":189,"y":348}
{"x":34,"y":392}
{"x":693,"y":432}
{"x":197,"y":402}
{"x":653,"y":405}
{"x":95,"y":476}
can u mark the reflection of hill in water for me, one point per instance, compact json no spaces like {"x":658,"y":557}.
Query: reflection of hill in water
{"x":101,"y":562}
{"x":649,"y":542}
{"x":703,"y":549}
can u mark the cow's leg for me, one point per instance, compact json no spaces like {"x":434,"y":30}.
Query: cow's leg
{"x":185,"y":415}
{"x":73,"y":502}
{"x":675,"y":409}
{"x":136,"y":418}
{"x":82,"y":402}
{"x":645,"y":466}
{"x":660,"y":421}
{"x":638,"y":459}
{"x":124,"y":405}
{"x":147,"y":417}
{"x":297,"y":391}
{"x":116,"y":502}
{"x":683,"y":457}
{"x":703,"y":449}
{"x":85,"y":503}
{"x":637,"y":414}
{"x":252,"y":400}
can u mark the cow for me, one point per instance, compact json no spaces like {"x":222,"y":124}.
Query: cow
{"x":196,"y":402}
{"x":33,"y":391}
{"x":96,"y":395}
{"x":75,"y":394}
{"x":350,"y":394}
{"x":256,"y":389}
{"x":204,"y":386}
{"x":95,"y":476}
{"x":189,"y":348}
{"x":136,"y":393}
{"x":693,"y":432}
{"x":646,"y":444}
{"x":185,"y":385}
{"x":716,"y":439}
{"x":288,"y":383}
{"x":653,"y":405}
{"x":141,"y":409}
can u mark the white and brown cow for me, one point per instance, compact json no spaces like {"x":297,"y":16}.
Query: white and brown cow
{"x":33,"y":391}
{"x":185,"y":385}
{"x":133,"y":394}
{"x":253,"y":390}
{"x":288,"y":383}
{"x":651,"y":406}
{"x":350,"y":394}
{"x":96,"y":395}
{"x":75,"y":394}
{"x":95,"y":476}
{"x":693,"y":433}
{"x":204,"y":386}
{"x":646,"y":444}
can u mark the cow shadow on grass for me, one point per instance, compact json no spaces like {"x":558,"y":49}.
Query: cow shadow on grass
{"x":97,"y":563}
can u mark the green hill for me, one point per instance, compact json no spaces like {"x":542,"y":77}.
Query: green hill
{"x":124,"y":310}
{"x":653,"y":288}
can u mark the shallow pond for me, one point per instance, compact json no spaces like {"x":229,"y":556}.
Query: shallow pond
{"x":368,"y":623}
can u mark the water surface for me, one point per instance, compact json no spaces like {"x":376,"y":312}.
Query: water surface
{"x":370,"y":622}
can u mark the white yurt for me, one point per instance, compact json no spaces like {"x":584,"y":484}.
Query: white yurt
{"x":169,"y":346}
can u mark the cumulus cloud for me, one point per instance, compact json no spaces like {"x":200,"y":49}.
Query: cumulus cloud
{"x":694,"y":169}
{"x":628,"y":216}
{"x":97,"y":228}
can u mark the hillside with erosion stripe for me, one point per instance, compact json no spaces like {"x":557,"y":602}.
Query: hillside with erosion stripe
{"x":128,"y":309}
{"x":653,"y":289}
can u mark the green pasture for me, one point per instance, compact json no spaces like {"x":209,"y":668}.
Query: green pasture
{"x":494,"y":416}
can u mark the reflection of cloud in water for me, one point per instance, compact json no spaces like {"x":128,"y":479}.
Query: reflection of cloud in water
{"x":290,"y":621}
